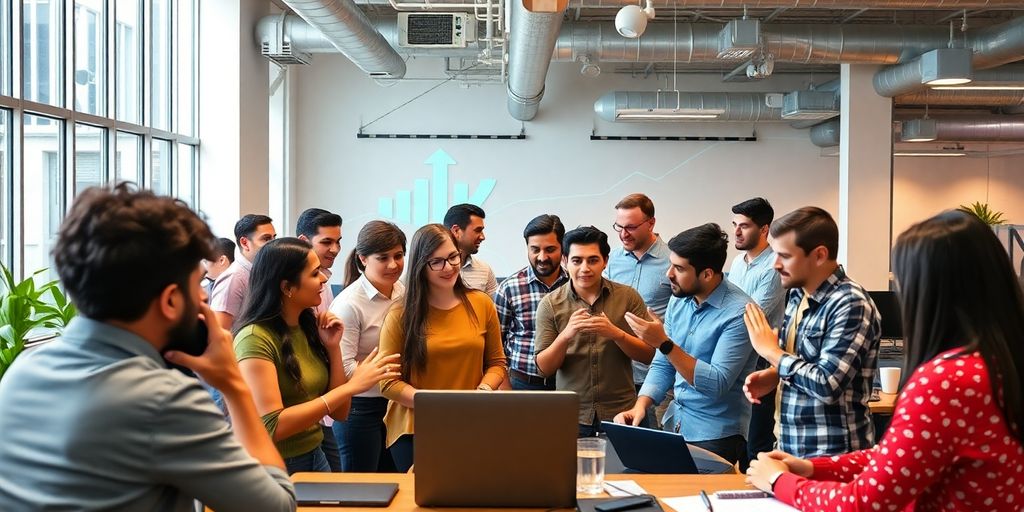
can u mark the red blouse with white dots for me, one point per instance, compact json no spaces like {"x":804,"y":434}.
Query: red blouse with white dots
{"x":948,"y":448}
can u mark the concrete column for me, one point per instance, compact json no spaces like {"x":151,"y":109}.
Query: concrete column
{"x":865,"y":178}
{"x":233,"y":114}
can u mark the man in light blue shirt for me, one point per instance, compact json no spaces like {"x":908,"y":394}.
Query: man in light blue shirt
{"x":753,"y":270}
{"x":704,"y":349}
{"x":642,"y":262}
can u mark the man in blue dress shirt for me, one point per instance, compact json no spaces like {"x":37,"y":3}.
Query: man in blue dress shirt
{"x":704,"y":349}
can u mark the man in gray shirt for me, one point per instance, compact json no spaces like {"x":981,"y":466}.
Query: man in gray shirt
{"x":97,"y":420}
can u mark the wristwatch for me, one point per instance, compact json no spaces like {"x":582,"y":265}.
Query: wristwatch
{"x":666,"y":347}
{"x":774,"y":478}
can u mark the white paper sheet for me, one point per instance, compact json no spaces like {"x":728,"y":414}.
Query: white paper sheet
{"x":623,"y":488}
{"x":695,"y":504}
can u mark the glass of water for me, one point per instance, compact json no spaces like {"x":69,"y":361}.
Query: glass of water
{"x":590,"y":456}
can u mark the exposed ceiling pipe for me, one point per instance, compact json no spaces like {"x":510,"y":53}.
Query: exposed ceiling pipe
{"x":699,"y":42}
{"x":351,"y":32}
{"x":736,"y":106}
{"x":826,"y":135}
{"x":913,"y":75}
{"x":906,"y":78}
{"x":999,"y":44}
{"x":959,"y":129}
{"x":531,"y":42}
{"x":766,"y":4}
{"x":962,"y":98}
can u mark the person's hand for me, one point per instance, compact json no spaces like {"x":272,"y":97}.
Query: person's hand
{"x":761,"y":470}
{"x":331,"y":329}
{"x":217,"y":365}
{"x":759,"y":384}
{"x":631,"y":417}
{"x":375,"y":368}
{"x":652,"y":332}
{"x":763,"y":337}
{"x":796,"y":465}
{"x":576,"y":320}
{"x":601,"y":326}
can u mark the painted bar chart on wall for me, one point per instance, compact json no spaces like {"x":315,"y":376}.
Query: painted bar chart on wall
{"x":429,"y":199}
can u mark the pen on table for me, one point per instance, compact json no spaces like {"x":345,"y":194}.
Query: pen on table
{"x":706,"y":500}
{"x":613,"y":486}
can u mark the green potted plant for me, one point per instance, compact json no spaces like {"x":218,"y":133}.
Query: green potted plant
{"x":24,"y":308}
{"x":983,"y":212}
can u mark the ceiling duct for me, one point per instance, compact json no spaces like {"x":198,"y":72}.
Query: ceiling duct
{"x":531,"y":42}
{"x":959,"y":129}
{"x":808,"y":4}
{"x":809,"y":105}
{"x":999,"y":44}
{"x":620,"y":106}
{"x":942,"y":66}
{"x":353,"y":34}
{"x":962,"y":98}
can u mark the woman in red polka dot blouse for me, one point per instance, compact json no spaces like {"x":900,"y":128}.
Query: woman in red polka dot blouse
{"x":955,"y":441}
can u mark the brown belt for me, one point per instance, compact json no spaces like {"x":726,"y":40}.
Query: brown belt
{"x":533,"y":380}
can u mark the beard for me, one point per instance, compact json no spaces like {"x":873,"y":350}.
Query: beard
{"x":747,"y":245}
{"x":549,"y":268}
{"x":681,"y":293}
{"x":182,"y":334}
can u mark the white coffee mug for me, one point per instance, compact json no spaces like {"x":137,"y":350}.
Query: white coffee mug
{"x":890,"y":380}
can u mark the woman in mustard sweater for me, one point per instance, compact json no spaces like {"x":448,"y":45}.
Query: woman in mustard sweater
{"x":447,"y":334}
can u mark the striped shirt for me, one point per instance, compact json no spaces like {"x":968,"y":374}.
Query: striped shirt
{"x":826,"y":383}
{"x":477,"y":274}
{"x":517,"y":299}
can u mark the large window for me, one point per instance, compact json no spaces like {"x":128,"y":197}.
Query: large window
{"x":90,"y":55}
{"x":42,"y":51}
{"x":105,"y":91}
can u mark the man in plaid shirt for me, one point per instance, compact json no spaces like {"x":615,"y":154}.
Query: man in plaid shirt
{"x":825,"y":356}
{"x":518,"y":296}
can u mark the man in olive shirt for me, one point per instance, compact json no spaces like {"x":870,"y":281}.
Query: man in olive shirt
{"x":582,"y":334}
{"x":96,"y":420}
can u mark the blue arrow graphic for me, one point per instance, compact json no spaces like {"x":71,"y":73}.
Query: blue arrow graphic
{"x":439,"y":188}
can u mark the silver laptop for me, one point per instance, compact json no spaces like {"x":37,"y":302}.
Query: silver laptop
{"x":495,"y":449}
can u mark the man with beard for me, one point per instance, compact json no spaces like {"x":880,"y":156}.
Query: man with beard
{"x":466,"y":222}
{"x":518,"y":296}
{"x":96,"y":420}
{"x":582,"y":335}
{"x":754,"y":272}
{"x":642,"y":261}
{"x":704,"y":349}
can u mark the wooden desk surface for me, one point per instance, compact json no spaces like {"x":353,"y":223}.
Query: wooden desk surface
{"x":884,"y":406}
{"x":667,"y":486}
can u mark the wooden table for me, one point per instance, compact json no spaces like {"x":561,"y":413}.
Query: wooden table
{"x":884,"y":406}
{"x":667,"y":486}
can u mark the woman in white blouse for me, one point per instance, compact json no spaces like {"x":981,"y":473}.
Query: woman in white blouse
{"x":371,"y":288}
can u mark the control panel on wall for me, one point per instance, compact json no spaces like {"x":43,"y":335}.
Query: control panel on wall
{"x":436,"y":29}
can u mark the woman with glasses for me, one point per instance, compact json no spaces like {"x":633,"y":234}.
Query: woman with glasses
{"x":447,"y":334}
{"x":371,"y":289}
{"x":956,"y":441}
{"x":291,"y":359}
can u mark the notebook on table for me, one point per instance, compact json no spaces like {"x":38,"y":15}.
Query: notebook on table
{"x":337,"y":494}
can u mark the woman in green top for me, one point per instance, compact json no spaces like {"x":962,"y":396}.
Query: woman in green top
{"x":291,"y":359}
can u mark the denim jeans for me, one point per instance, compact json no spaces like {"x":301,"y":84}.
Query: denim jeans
{"x":361,"y":437}
{"x":330,"y":448}
{"x":313,"y":461}
{"x":522,"y":385}
{"x":732,"y":449}
{"x":402,"y":451}
{"x":761,"y":437}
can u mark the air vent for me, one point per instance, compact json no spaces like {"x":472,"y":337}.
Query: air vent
{"x":810,"y":105}
{"x":282,"y":53}
{"x":436,"y":29}
{"x":739,"y":39}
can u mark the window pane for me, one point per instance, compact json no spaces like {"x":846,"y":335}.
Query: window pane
{"x":43,"y":189}
{"x":6,"y":175}
{"x":128,"y":50}
{"x":6,"y":64}
{"x":161,"y":60}
{"x":42,"y":51}
{"x":161,"y":181}
{"x":90,"y":149}
{"x":128,"y":161}
{"x":90,"y":52}
{"x":186,"y":173}
{"x":185,"y":76}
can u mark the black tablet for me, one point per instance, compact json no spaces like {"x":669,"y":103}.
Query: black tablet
{"x":329,"y":494}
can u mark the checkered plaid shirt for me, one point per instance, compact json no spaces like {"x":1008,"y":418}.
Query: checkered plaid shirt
{"x":517,"y":299}
{"x":826,"y":384}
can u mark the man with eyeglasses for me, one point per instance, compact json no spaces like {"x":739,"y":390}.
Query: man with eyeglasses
{"x":642,"y":262}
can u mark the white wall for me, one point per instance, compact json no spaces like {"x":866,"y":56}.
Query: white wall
{"x":557,"y":169}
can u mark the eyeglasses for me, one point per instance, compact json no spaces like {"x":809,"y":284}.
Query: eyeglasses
{"x":629,"y":229}
{"x":437,"y":264}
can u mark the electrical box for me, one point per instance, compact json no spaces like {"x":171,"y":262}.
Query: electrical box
{"x":436,"y":29}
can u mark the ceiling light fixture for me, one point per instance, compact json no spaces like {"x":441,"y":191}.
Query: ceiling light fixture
{"x":929,"y":153}
{"x":631,"y":21}
{"x":946,"y":66}
{"x":919,"y":130}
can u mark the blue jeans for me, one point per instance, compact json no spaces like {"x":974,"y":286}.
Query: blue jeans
{"x":313,"y":461}
{"x":522,"y":385}
{"x":330,"y":448}
{"x":761,"y":436}
{"x":361,"y":437}
{"x":402,"y":451}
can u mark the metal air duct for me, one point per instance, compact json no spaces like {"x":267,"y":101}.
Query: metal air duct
{"x":731,"y":106}
{"x":826,"y":135}
{"x":959,"y":129}
{"x":531,"y":42}
{"x":353,"y":34}
{"x":962,"y":98}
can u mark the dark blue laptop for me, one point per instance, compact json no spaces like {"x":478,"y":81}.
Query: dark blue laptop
{"x":650,"y":451}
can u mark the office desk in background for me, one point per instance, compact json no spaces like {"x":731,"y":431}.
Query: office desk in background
{"x":885,"y":405}
{"x":659,"y":485}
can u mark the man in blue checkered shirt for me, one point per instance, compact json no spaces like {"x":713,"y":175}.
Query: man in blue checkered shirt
{"x":825,"y":356}
{"x":519,"y":295}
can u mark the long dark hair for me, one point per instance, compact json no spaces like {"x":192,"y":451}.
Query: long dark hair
{"x":957,"y":289}
{"x":425,"y":241}
{"x":376,"y":236}
{"x":283,"y":259}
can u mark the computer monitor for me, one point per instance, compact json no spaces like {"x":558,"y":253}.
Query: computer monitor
{"x":889,"y":307}
{"x":495,"y":449}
